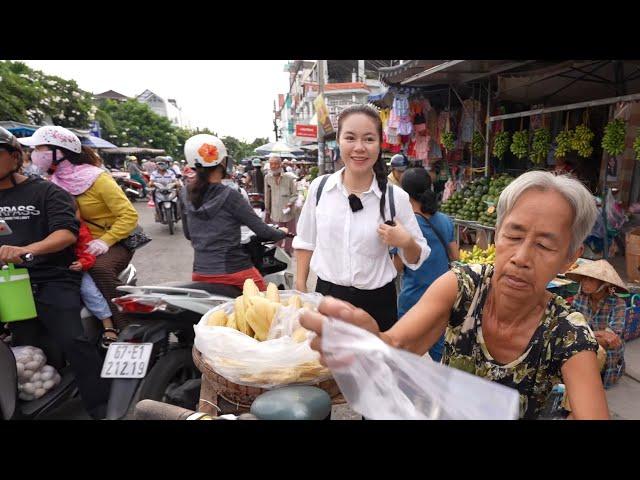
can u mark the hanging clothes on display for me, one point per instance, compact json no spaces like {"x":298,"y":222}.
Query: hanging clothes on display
{"x":400,"y":117}
{"x":471,"y":119}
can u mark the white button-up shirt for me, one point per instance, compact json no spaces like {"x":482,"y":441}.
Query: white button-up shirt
{"x":347,"y":249}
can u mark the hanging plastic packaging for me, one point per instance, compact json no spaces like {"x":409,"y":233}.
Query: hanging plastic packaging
{"x":384,"y":383}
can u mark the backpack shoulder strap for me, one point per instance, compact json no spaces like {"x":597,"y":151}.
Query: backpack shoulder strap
{"x":392,"y":203}
{"x":321,"y":187}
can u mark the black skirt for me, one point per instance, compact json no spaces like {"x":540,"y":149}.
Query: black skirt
{"x":380,"y":303}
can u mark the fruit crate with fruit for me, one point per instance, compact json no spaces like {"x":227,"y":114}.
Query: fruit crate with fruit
{"x":477,"y":201}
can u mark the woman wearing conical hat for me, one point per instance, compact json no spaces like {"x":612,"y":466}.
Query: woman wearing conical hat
{"x":605,"y":313}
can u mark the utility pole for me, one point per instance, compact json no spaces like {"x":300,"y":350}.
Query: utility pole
{"x":320,"y":131}
{"x":275,"y":120}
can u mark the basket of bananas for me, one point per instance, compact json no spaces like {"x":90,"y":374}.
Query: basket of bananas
{"x":256,"y":343}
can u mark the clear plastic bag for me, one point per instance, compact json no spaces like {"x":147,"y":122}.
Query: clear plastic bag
{"x":615,"y":212}
{"x":384,"y":383}
{"x":35,"y":378}
{"x":279,"y":360}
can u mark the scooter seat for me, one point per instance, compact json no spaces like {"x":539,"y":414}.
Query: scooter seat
{"x":293,"y":403}
{"x":213,"y":288}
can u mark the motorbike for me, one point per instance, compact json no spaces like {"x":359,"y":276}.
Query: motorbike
{"x":164,"y":336}
{"x":12,"y":407}
{"x":167,"y":207}
{"x":284,"y":403}
{"x":130,"y":187}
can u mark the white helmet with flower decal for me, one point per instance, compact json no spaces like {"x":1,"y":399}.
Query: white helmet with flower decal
{"x":53,"y":135}
{"x":204,"y":150}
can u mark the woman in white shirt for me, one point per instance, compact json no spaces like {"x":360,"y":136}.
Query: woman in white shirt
{"x":345,"y":232}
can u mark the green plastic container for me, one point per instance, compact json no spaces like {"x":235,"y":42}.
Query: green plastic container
{"x":16,"y":297}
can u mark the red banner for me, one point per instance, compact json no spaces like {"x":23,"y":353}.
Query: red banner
{"x":310,"y":131}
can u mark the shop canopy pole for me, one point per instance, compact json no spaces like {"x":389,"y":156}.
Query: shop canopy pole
{"x":572,"y":106}
{"x":487,"y":129}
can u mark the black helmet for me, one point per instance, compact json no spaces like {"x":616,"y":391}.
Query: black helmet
{"x":9,"y":140}
{"x":399,"y":161}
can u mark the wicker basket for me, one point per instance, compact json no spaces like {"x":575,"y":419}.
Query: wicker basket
{"x":217,"y":390}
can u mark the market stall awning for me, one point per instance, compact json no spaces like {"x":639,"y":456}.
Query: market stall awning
{"x":457,"y":72}
{"x":19,"y":129}
{"x":96,"y":142}
{"x":394,"y":75}
{"x":278,"y":148}
{"x":134,"y":151}
{"x":570,"y":81}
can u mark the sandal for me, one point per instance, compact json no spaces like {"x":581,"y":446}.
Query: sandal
{"x":106,"y":340}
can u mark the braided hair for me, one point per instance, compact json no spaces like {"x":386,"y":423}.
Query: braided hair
{"x":379,"y":168}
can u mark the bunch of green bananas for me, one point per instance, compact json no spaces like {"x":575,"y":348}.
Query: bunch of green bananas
{"x":477,"y":144}
{"x":563,"y":143}
{"x":613,"y":140}
{"x":501,"y":144}
{"x":581,"y":141}
{"x":540,"y":145}
{"x":448,"y":139}
{"x":636,"y":147}
{"x":520,"y":144}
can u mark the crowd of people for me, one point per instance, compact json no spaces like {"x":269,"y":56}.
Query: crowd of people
{"x":358,"y":229}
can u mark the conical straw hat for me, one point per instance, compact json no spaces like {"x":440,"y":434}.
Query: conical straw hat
{"x":600,"y":270}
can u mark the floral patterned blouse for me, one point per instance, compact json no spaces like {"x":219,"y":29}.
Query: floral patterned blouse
{"x":562,"y":333}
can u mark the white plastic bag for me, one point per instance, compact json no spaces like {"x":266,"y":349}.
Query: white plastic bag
{"x":384,"y":383}
{"x":279,"y":360}
{"x":35,"y":378}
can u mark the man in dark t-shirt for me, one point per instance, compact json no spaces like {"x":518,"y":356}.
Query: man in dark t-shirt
{"x":41,"y":217}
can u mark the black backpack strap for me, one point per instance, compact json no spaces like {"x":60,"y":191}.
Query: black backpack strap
{"x":321,"y":187}
{"x":392,"y":203}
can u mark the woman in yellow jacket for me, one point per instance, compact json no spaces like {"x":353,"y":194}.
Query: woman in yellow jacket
{"x":103,"y":205}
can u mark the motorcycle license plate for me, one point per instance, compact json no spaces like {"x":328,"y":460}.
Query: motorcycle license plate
{"x":127,"y":360}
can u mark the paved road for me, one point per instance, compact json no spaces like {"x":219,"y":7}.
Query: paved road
{"x":166,"y":258}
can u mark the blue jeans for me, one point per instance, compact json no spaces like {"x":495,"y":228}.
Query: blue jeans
{"x":93,"y":299}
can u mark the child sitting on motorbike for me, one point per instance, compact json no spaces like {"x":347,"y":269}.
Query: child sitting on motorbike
{"x":91,"y":296}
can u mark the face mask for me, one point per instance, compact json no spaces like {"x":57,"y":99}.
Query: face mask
{"x":42,"y":159}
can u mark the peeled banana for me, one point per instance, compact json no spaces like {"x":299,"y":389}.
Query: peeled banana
{"x":295,"y":301}
{"x":272,"y":293}
{"x":260,"y":315}
{"x":231,"y":322}
{"x":241,"y":316}
{"x":250,"y":289}
{"x":255,"y":311}
{"x":217,"y":319}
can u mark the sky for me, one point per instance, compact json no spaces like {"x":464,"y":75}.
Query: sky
{"x":230,"y":97}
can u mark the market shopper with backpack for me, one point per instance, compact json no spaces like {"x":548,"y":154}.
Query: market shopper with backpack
{"x":103,"y":205}
{"x":350,"y":220}
{"x":437,"y":228}
{"x":42,"y":220}
{"x":213,"y":216}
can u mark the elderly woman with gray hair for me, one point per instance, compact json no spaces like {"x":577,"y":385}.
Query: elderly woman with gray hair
{"x":500,"y":322}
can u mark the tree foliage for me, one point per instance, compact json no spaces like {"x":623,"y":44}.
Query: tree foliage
{"x":30,"y":96}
